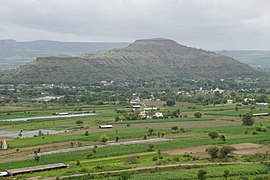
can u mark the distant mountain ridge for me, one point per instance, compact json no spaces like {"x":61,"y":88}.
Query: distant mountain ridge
{"x":14,"y":54}
{"x":259,"y":59}
{"x":147,"y":59}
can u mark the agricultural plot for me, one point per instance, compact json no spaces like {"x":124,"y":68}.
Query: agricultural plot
{"x":183,"y":156}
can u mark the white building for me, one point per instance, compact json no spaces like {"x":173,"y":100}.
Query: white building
{"x":158,"y":114}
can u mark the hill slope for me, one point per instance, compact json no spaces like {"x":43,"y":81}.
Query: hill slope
{"x":143,"y":59}
{"x":259,"y":59}
{"x":14,"y":54}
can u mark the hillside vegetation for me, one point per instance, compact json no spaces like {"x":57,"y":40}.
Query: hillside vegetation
{"x":14,"y":54}
{"x":144,"y":59}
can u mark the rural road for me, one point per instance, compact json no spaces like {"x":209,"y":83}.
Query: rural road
{"x":108,"y":144}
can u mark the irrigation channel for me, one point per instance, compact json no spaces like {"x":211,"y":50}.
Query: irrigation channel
{"x":49,"y":117}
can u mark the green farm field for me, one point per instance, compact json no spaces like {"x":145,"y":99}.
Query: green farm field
{"x":138,"y":161}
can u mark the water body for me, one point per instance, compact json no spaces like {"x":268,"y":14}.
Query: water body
{"x":15,"y":134}
{"x":49,"y":117}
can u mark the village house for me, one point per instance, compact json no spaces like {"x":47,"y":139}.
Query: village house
{"x":158,"y":115}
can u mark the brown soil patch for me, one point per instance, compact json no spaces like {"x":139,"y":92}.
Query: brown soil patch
{"x":252,"y":151}
{"x":241,"y":149}
{"x":246,"y":146}
{"x":197,"y":151}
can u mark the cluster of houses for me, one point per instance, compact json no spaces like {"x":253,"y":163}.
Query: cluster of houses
{"x":144,"y":113}
{"x":201,"y":91}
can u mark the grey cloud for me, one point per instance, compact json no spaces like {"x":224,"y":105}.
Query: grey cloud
{"x":209,"y":24}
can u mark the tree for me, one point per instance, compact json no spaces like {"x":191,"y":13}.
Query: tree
{"x":103,"y":138}
{"x":213,"y":134}
{"x":144,"y":137}
{"x":162,"y":134}
{"x":197,"y":115}
{"x":174,"y":128}
{"x":20,"y":134}
{"x":71,"y":144}
{"x":202,"y":174}
{"x":40,"y":133}
{"x":170,"y":102}
{"x":212,"y":151}
{"x":226,"y":174}
{"x":247,"y":120}
{"x":116,"y":119}
{"x":86,"y":133}
{"x":117,"y":139}
{"x":36,"y":156}
{"x":225,"y":151}
{"x":158,"y":134}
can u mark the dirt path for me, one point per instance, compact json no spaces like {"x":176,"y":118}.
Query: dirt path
{"x":154,"y":167}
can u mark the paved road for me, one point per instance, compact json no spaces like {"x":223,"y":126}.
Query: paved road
{"x":108,"y":144}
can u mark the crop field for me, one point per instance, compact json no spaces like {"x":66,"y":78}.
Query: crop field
{"x":183,"y":156}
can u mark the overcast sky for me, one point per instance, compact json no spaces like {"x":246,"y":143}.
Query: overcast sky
{"x":208,"y":24}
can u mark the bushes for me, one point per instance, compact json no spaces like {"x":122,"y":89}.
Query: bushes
{"x":197,"y":115}
{"x":103,"y":138}
{"x":223,"y":152}
{"x":79,"y":122}
{"x":213,"y":134}
{"x":212,"y":151}
{"x":247,"y":120}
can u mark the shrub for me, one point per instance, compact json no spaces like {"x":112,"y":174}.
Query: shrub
{"x":174,"y":128}
{"x":212,"y":151}
{"x":103,"y":138}
{"x":222,"y":138}
{"x":78,"y":122}
{"x":226,"y":174}
{"x":197,"y":115}
{"x":150,"y":131}
{"x":176,"y":158}
{"x":202,"y":174}
{"x":144,"y":137}
{"x":150,"y":147}
{"x":155,"y":158}
{"x":213,"y":134}
{"x":170,"y":102}
{"x":225,"y":151}
{"x":182,"y":130}
{"x":86,"y":133}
